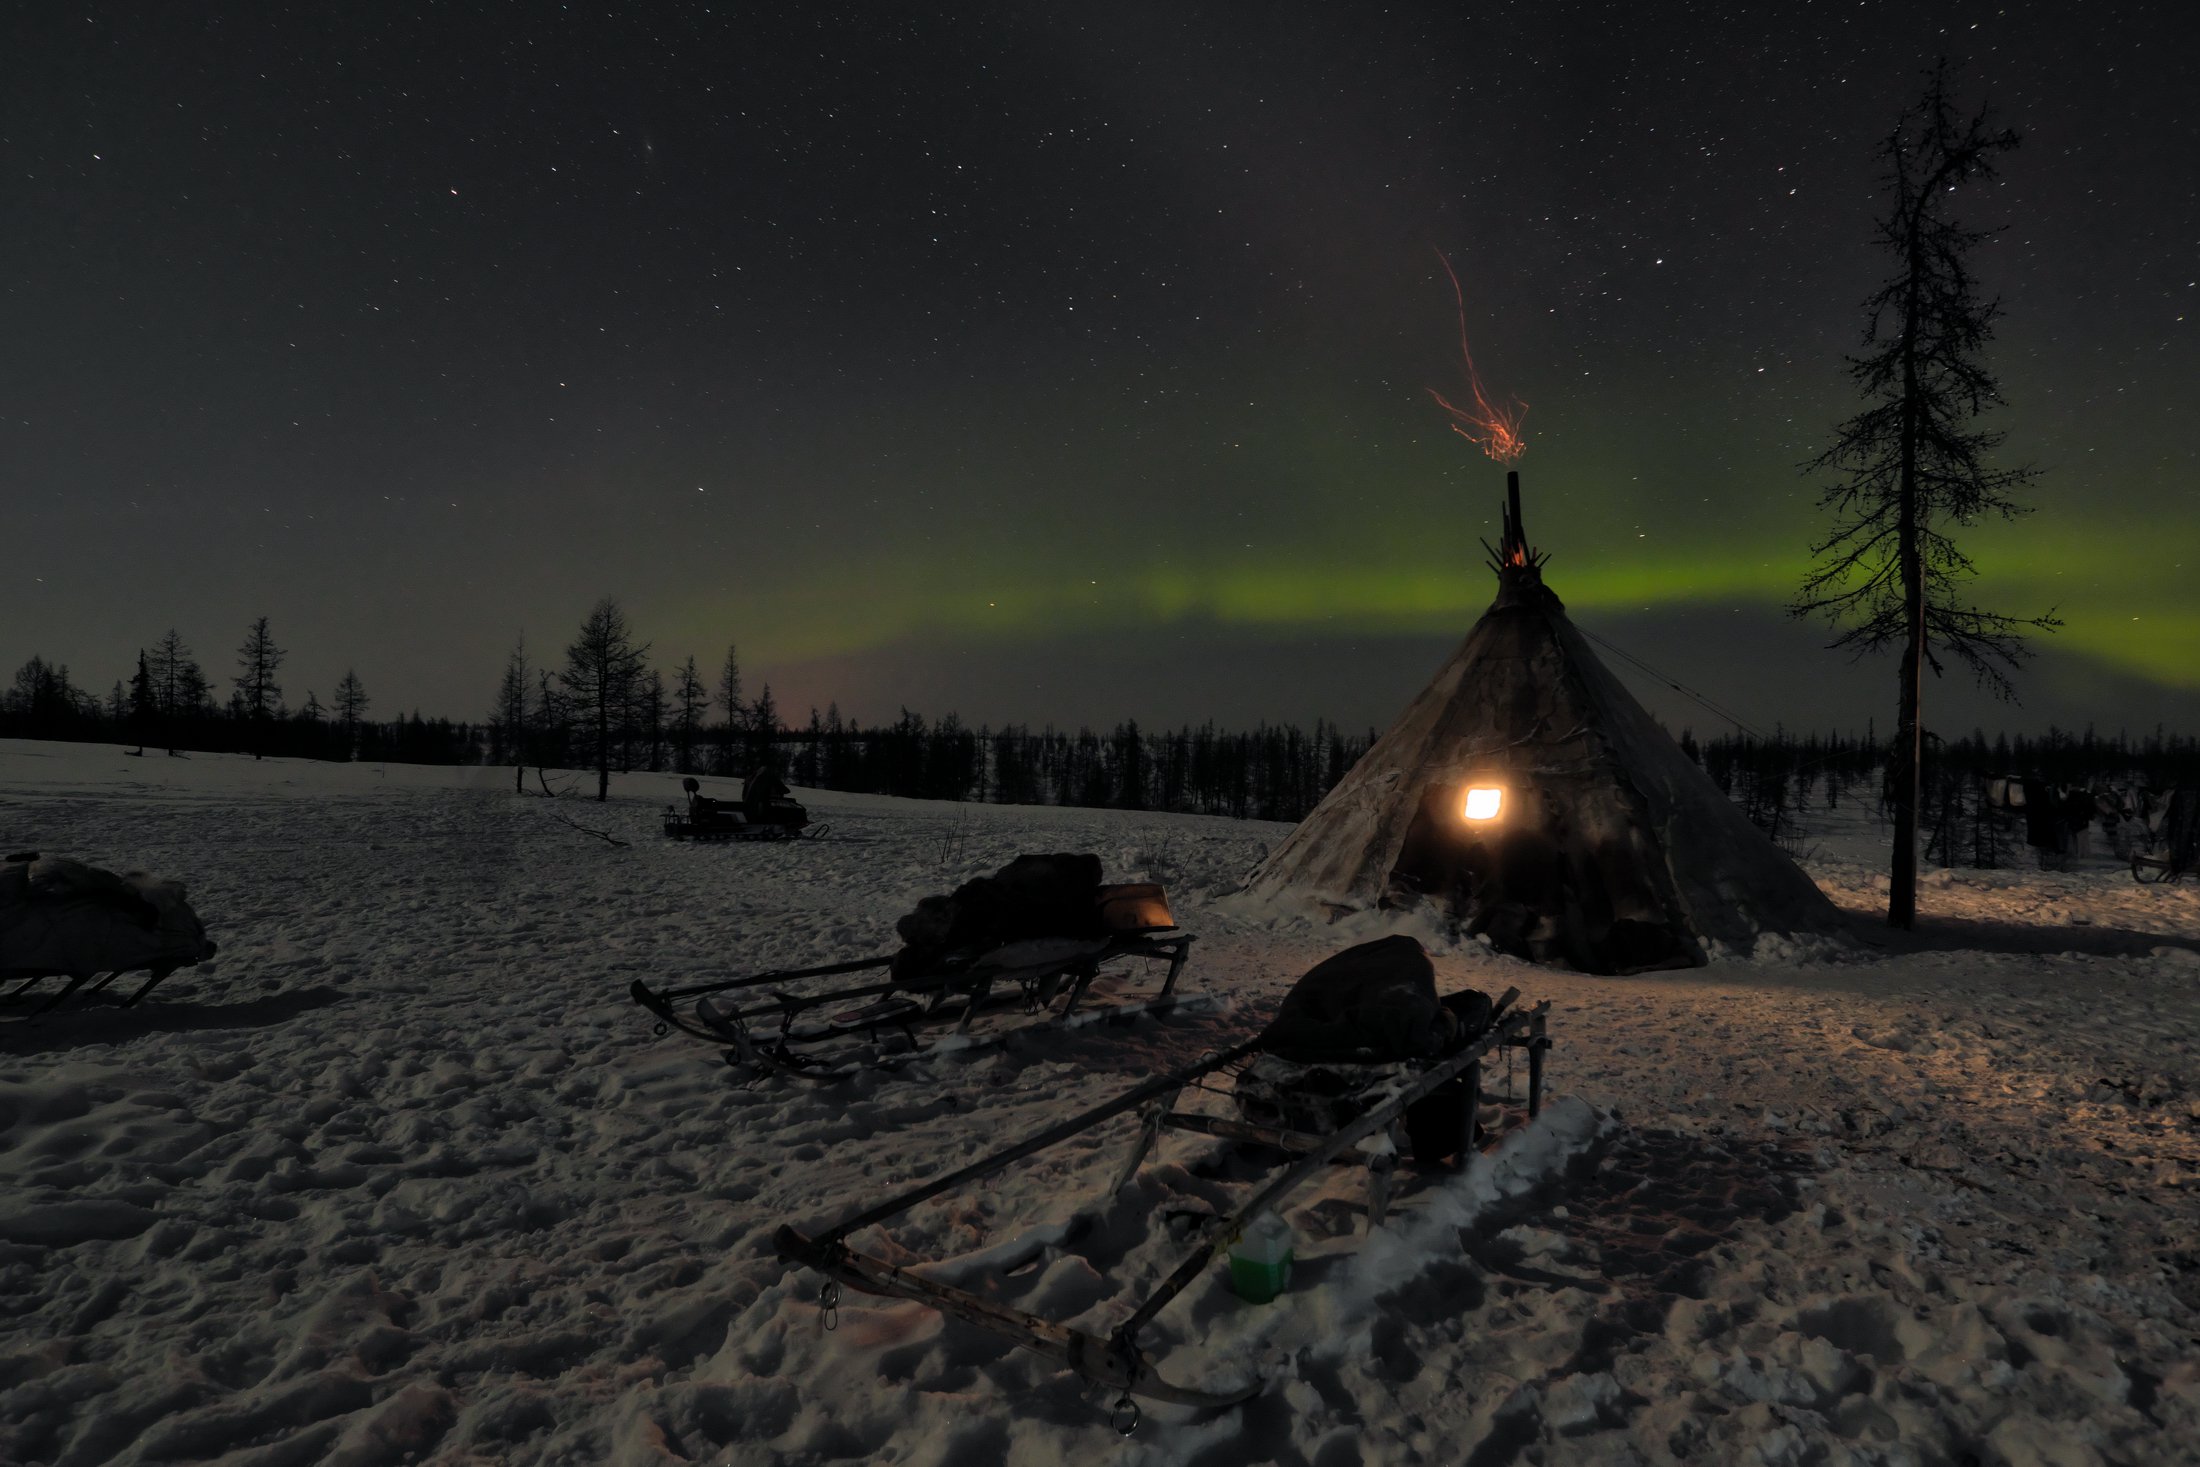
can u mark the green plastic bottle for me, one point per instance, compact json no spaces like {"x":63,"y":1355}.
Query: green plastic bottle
{"x":1260,"y":1260}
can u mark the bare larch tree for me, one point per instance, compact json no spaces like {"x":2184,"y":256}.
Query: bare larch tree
{"x":1913,"y":464}
{"x":602,"y":670}
{"x":257,"y":691}
{"x":693,"y":701}
{"x":510,"y":718}
{"x":351,"y":707}
{"x":177,"y":684}
{"x":729,"y":698}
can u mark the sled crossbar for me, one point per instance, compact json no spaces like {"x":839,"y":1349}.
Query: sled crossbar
{"x":1060,"y":1131}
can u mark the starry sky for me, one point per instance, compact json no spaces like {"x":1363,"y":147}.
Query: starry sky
{"x":1055,"y":363}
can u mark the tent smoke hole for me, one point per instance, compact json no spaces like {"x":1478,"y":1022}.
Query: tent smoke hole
{"x":1526,"y":795}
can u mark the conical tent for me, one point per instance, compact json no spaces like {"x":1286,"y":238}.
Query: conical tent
{"x":1529,"y":795}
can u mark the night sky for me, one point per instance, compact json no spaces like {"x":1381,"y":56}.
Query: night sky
{"x":1053,"y":363}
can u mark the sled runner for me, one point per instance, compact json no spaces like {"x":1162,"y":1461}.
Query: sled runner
{"x":1031,"y":939}
{"x":756,"y":816}
{"x":63,"y":919}
{"x":1116,"y":1360}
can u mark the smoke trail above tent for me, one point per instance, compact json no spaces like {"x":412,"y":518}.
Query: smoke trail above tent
{"x":1493,"y":429}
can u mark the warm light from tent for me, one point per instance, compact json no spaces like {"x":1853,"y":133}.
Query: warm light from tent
{"x":1483,"y":802}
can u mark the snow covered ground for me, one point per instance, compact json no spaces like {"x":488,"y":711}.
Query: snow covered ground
{"x":403,"y":1176}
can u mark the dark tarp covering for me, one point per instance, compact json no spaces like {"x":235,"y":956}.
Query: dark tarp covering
{"x":1032,"y":896}
{"x":1368,"y":1004}
{"x":1357,"y":1023}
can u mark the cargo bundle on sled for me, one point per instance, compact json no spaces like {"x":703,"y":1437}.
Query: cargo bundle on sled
{"x":1032,"y":938}
{"x":765,"y":811}
{"x":1362,"y":1064}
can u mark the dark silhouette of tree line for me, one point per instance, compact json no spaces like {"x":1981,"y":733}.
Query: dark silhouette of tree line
{"x":169,"y":703}
{"x":603,"y":707}
{"x":1783,"y":781}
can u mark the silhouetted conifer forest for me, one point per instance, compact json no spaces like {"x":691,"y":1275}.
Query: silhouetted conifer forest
{"x":1275,"y":772}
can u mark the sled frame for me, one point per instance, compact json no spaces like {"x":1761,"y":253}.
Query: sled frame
{"x":1116,"y":1361}
{"x":806,"y":1050}
{"x":75,"y":981}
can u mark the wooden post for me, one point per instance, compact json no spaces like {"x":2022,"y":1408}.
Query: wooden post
{"x":1471,"y":1134}
{"x":1179,"y":949}
{"x":1157,"y":1112}
{"x":1379,"y":1169}
{"x":1536,"y":1045}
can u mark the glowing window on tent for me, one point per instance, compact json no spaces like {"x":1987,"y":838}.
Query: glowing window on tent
{"x":1483,"y":802}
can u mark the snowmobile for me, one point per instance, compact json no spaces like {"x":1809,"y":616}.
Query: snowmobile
{"x":765,"y":817}
{"x":1400,"y":1101}
{"x":1034,"y":935}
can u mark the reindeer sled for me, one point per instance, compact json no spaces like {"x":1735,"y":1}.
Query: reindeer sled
{"x":63,"y":919}
{"x":2171,"y":820}
{"x":1030,"y":940}
{"x":1362,"y":1063}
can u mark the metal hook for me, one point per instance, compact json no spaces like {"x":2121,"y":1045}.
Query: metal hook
{"x":828,"y":1304}
{"x":1125,"y":1417}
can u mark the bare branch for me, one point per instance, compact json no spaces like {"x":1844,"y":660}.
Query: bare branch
{"x":585,"y":830}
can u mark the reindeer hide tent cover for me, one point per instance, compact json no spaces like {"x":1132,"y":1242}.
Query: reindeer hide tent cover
{"x":1611,"y":852}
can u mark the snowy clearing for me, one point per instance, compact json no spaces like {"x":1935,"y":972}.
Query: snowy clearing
{"x":402,"y":1175}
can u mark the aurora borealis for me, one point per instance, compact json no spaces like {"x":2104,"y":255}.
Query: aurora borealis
{"x":1052,"y":364}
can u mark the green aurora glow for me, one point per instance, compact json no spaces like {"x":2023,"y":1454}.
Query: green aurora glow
{"x":1420,"y":569}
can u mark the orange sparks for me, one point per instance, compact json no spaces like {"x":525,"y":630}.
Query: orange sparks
{"x":1495,"y":430}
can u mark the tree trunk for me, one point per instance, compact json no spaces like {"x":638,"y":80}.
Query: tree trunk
{"x":1909,"y":727}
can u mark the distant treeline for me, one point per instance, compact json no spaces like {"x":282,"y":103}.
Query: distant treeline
{"x":1270,"y":773}
{"x":606,"y":706}
{"x":168,"y":704}
{"x":1780,"y":782}
{"x":1786,"y":769}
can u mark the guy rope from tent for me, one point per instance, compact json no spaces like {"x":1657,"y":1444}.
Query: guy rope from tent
{"x":1676,"y":685}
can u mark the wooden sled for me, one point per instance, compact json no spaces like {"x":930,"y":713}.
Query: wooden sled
{"x":62,"y":919}
{"x":1116,"y":1361}
{"x":769,"y":1024}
